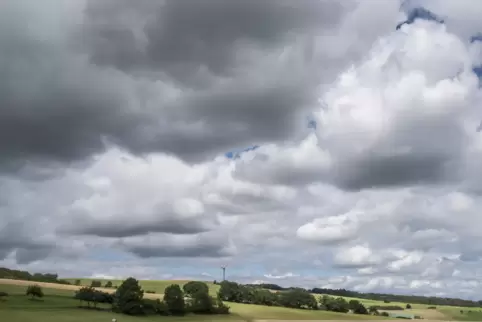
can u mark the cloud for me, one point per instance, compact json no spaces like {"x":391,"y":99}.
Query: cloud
{"x":115,"y":137}
{"x":356,"y":256}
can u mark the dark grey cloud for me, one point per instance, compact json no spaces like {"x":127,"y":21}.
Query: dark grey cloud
{"x":167,"y":245}
{"x":181,"y":36}
{"x":134,"y":227}
{"x":412,"y":152}
{"x":62,"y":102}
{"x":27,"y":247}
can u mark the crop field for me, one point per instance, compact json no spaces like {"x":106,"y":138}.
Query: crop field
{"x":58,"y":305}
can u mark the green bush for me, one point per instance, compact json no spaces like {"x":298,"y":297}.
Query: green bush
{"x":34,"y":291}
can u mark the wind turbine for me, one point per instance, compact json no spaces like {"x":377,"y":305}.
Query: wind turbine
{"x":224,"y":272}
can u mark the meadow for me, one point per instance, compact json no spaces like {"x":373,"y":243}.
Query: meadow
{"x":58,"y":305}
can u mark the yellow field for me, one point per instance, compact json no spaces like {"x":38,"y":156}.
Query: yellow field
{"x":67,"y":287}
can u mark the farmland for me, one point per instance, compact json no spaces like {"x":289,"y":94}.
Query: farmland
{"x":59,"y":305}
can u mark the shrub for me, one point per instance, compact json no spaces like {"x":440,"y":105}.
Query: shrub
{"x":34,"y":291}
{"x":386,"y":301}
{"x":408,"y":306}
{"x":108,"y":284}
{"x":77,"y":282}
{"x":432,"y":307}
{"x":95,"y":284}
{"x":384,"y":314}
{"x":150,"y":292}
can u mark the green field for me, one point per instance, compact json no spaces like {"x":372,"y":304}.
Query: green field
{"x":441,"y":313}
{"x":58,"y":305}
{"x":147,"y":285}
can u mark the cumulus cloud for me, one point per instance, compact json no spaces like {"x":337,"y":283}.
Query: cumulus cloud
{"x":116,"y":117}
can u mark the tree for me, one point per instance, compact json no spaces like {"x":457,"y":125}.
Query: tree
{"x":357,"y":307}
{"x":265,"y":297}
{"x":34,"y":291}
{"x":336,"y":305}
{"x":221,"y":308}
{"x":3,"y":296}
{"x":230,"y":291}
{"x":91,"y":295}
{"x":202,"y":303}
{"x":373,"y":310}
{"x":77,"y":282}
{"x":108,"y":284}
{"x":85,"y":294}
{"x":193,"y":287}
{"x":174,"y":299}
{"x":408,"y":306}
{"x":95,"y":284}
{"x":298,"y":298}
{"x":128,"y":298}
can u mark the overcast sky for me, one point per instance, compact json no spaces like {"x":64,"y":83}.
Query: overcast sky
{"x":122,"y":122}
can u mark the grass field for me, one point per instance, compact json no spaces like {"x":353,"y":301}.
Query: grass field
{"x":441,"y":313}
{"x":58,"y":305}
{"x":157,"y":286}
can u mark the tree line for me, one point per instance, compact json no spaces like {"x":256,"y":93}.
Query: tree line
{"x":427,"y":300}
{"x":129,"y":299}
{"x":26,"y":276}
{"x":298,"y":298}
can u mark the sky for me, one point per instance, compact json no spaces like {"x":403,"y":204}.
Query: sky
{"x":305,"y":143}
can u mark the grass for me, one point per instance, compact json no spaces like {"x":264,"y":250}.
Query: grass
{"x":441,"y":313}
{"x":252,"y":312}
{"x":468,"y":314}
{"x":58,"y":305}
{"x":147,"y":285}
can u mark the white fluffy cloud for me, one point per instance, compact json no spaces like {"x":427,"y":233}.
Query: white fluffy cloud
{"x":382,"y":196}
